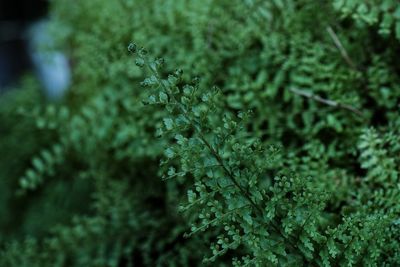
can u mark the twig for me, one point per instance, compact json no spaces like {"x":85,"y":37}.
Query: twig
{"x":341,"y":48}
{"x":326,"y":101}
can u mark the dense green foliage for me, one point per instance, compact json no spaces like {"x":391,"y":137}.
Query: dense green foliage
{"x":269,"y":137}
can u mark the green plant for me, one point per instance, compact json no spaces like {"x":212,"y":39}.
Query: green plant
{"x":284,"y":152}
{"x":277,"y":221}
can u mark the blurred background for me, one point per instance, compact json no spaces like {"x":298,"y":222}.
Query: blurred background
{"x":24,"y":47}
{"x":32,"y":74}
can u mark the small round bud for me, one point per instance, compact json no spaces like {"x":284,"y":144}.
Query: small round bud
{"x":178,"y":72}
{"x":142,"y":51}
{"x":132,"y":48}
{"x":196,"y":81}
{"x":139,"y":62}
{"x":159,"y":62}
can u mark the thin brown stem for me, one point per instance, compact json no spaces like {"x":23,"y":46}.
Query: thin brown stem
{"x":328,"y":102}
{"x":341,"y":48}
